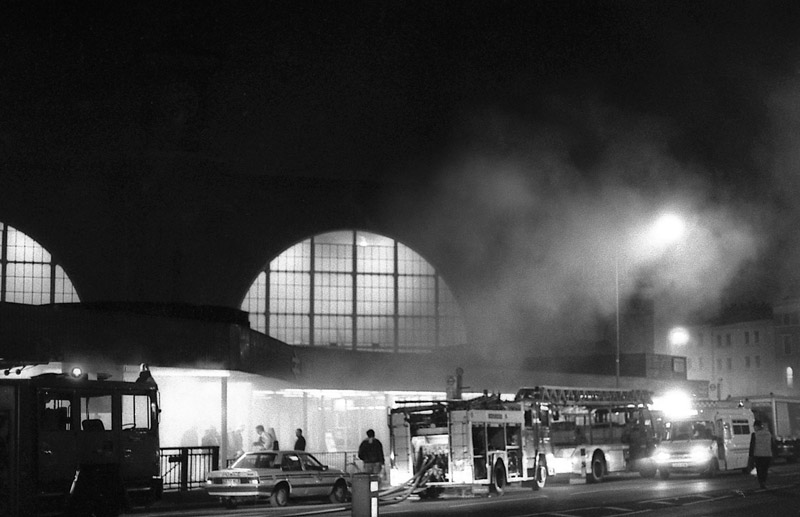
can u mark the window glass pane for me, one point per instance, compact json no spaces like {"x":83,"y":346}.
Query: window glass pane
{"x":22,"y":248}
{"x":375,"y":332}
{"x":28,"y":272}
{"x":135,"y":412}
{"x":290,"y":328}
{"x":64,"y":291}
{"x":290,"y":292}
{"x":296,"y":258}
{"x":333,"y":293}
{"x":409,"y":262}
{"x":375,"y":294}
{"x":375,"y":254}
{"x":294,"y":315}
{"x":333,"y":257}
{"x":28,"y":283}
{"x":333,"y":331}
{"x":417,"y":295}
{"x":96,"y":409}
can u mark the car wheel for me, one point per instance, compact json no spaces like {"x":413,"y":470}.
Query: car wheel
{"x":498,"y":485}
{"x":597,"y":469}
{"x":339,"y":493}
{"x":280,"y":496}
{"x":663,"y":473}
{"x":541,"y":477}
{"x":230,"y":503}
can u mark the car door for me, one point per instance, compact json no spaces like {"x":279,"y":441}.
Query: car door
{"x":298,"y":478}
{"x":316,"y":474}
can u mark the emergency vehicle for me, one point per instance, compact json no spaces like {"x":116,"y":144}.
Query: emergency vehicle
{"x":711,"y":436}
{"x":591,"y":432}
{"x":71,"y":445}
{"x":484,"y":444}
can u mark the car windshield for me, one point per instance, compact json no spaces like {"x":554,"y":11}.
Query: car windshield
{"x":259,"y":460}
{"x":689,"y":430}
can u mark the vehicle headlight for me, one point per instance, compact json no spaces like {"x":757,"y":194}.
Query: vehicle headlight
{"x":254,"y":481}
{"x":700,"y":454}
{"x":662,"y":457}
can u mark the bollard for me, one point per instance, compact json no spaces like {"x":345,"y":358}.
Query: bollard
{"x":365,"y":495}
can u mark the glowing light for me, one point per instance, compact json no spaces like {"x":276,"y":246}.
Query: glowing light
{"x":678,"y":336}
{"x":76,"y":371}
{"x":674,"y":404}
{"x":668,"y":228}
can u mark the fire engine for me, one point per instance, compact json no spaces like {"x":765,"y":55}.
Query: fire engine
{"x":481,"y":444}
{"x":73,"y":445}
{"x":591,"y":432}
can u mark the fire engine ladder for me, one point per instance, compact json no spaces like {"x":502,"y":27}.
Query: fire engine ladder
{"x":584,"y":396}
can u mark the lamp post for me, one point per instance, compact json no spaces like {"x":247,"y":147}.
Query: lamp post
{"x":666,"y":229}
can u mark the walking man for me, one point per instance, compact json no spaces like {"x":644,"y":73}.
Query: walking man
{"x":761,"y":451}
{"x":371,"y":453}
{"x":300,"y":443}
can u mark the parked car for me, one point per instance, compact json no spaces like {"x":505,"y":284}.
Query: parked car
{"x":277,"y":475}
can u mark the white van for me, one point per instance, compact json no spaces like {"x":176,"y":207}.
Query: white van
{"x":712,"y":439}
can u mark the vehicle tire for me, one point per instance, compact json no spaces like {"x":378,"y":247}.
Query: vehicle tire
{"x":663,"y":474}
{"x":339,"y":493}
{"x":230,"y":503}
{"x":713,"y":468}
{"x":498,"y":485}
{"x":597,"y":468}
{"x":647,"y":469}
{"x":540,"y":480}
{"x":432,"y":492}
{"x":280,"y":495}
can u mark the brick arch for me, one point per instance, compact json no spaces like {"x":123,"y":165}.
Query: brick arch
{"x":357,"y":290}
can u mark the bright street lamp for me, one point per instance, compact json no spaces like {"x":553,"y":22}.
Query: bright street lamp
{"x":665,"y":230}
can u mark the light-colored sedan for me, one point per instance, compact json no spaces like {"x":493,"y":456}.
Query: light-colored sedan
{"x":277,"y":475}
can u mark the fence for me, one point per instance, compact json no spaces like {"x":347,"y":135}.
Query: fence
{"x":184,"y":468}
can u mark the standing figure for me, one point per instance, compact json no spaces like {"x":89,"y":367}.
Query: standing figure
{"x":272,"y":439}
{"x":371,"y":453}
{"x":761,"y":445}
{"x":261,"y":439}
{"x":300,"y":443}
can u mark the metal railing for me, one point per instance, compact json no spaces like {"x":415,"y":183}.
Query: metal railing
{"x":185,"y":468}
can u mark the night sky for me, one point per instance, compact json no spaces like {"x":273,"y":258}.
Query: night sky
{"x":565,"y":123}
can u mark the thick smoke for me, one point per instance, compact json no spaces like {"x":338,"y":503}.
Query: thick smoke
{"x":547,"y":230}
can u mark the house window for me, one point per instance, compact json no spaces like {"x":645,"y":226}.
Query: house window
{"x":755,"y":336}
{"x":787,"y":345}
{"x":28,"y":273}
{"x":719,"y":364}
{"x":789,"y":377}
{"x":727,"y":340}
{"x":747,"y":361}
{"x":355,"y":290}
{"x":729,"y":362}
{"x":746,"y":337}
{"x":719,"y":340}
{"x":758,"y":361}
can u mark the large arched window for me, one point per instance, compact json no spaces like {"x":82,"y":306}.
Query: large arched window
{"x":355,"y":290}
{"x":28,"y":273}
{"x":789,"y":377}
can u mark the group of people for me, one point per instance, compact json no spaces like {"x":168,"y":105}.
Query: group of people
{"x":267,"y":439}
{"x":370,"y":451}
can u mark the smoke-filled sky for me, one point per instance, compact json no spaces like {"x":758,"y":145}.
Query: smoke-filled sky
{"x":558,"y":129}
